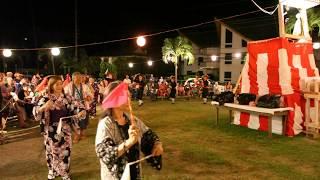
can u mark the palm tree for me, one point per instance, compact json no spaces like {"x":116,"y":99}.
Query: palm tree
{"x":175,"y":48}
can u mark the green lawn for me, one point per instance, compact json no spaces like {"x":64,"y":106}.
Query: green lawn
{"x":194,"y":149}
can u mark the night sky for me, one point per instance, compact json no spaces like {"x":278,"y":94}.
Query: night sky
{"x":32,"y":23}
{"x":53,"y":21}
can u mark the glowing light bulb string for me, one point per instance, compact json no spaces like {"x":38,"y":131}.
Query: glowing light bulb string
{"x":135,"y":37}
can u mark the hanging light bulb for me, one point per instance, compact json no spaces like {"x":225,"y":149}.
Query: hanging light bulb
{"x":55,"y":51}
{"x":7,"y":53}
{"x":130,"y":65}
{"x":141,"y":41}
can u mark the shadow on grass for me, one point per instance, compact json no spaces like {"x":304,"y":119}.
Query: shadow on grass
{"x":86,"y":175}
{"x":22,"y":167}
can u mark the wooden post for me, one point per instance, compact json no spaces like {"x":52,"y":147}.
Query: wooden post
{"x":270,"y":126}
{"x":230,"y":116}
{"x":284,"y":124}
{"x":217,"y":120}
{"x":282,"y":32}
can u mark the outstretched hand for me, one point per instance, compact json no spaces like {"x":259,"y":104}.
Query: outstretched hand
{"x":157,"y":149}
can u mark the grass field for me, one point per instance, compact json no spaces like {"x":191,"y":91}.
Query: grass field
{"x":194,"y":149}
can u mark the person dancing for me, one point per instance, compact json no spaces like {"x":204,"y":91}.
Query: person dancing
{"x":117,"y":142}
{"x":58,"y":146}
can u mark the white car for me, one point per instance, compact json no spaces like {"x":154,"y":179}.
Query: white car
{"x":191,"y":81}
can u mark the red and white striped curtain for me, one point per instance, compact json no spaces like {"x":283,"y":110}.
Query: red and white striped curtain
{"x":277,"y":66}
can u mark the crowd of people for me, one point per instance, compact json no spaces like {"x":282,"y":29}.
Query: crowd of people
{"x":167,"y":88}
{"x":65,"y":105}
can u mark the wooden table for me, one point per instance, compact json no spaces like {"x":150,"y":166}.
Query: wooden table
{"x":218,"y":107}
{"x":258,"y":111}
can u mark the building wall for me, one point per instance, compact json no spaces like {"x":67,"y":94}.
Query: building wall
{"x":236,"y":63}
{"x":204,"y":55}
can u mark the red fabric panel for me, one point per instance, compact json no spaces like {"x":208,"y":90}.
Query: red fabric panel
{"x":244,"y":119}
{"x":263,"y":123}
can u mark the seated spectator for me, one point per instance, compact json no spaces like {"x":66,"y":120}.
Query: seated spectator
{"x":228,"y":86}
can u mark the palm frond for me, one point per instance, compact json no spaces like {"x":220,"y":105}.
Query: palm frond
{"x":178,"y":47}
{"x":313,"y":20}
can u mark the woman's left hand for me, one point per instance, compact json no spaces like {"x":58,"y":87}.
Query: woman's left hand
{"x":157,"y":149}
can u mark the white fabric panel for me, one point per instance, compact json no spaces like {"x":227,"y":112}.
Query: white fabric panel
{"x":245,"y":81}
{"x":277,"y":124}
{"x":254,"y":122}
{"x":262,"y":74}
{"x":284,"y":72}
{"x":236,"y":117}
{"x":296,"y":60}
{"x":297,"y":128}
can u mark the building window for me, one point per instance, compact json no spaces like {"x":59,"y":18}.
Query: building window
{"x":244,"y":43}
{"x":228,"y":39}
{"x":227,"y":76}
{"x":228,"y":58}
{"x":200,"y":60}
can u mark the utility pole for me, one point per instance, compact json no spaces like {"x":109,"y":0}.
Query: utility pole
{"x":76,"y":30}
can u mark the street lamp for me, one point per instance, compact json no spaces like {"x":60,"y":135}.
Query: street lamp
{"x":150,"y":63}
{"x":237,"y":55}
{"x":130,"y":65}
{"x":7,"y":53}
{"x":316,"y":45}
{"x":141,"y":41}
{"x":54,"y":52}
{"x":214,"y":58}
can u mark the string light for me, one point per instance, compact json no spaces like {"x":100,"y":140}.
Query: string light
{"x":148,"y":35}
{"x":55,"y":51}
{"x":141,"y":41}
{"x":7,"y":53}
{"x":150,"y":63}
{"x":130,"y":65}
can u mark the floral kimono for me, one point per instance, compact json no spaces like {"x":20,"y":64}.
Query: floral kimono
{"x":58,"y":146}
{"x":93,"y":105}
{"x":79,"y":95}
{"x":110,"y":135}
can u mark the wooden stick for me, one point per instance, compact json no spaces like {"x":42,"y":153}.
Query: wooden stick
{"x":139,"y":160}
{"x":130,"y":111}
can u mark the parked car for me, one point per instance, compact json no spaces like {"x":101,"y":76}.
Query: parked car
{"x":191,"y":81}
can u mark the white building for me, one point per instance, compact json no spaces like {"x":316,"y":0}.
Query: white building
{"x":233,"y":49}
{"x":224,"y":59}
